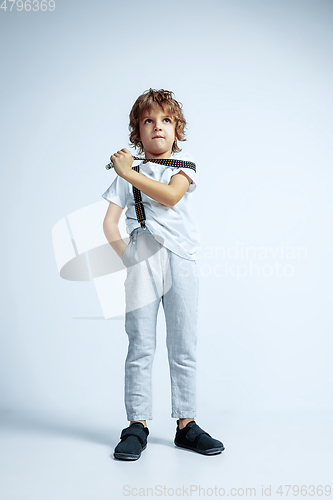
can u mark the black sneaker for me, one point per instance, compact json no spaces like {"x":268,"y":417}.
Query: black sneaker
{"x":196,"y":439}
{"x":133,"y":442}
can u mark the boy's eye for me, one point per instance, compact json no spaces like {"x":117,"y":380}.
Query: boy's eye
{"x":148,"y":120}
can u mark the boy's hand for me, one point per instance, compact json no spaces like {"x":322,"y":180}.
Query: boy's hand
{"x":122,"y":161}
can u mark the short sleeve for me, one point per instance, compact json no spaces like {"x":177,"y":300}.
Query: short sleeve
{"x":117,"y":192}
{"x":189,"y":171}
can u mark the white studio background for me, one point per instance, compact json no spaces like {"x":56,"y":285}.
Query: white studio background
{"x":255,"y":79}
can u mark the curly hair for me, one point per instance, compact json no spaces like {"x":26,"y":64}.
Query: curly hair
{"x":164,"y":99}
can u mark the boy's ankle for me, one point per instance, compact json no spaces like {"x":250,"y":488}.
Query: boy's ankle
{"x":183,"y":422}
{"x":142,"y":422}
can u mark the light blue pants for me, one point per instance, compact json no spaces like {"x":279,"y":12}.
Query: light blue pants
{"x":155,"y":273}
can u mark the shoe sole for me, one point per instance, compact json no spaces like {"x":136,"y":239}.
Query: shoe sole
{"x":211,"y":451}
{"x":128,"y":456}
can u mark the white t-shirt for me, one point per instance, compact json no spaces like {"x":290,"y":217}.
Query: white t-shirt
{"x":176,"y":225}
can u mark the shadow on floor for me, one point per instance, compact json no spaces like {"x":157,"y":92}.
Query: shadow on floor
{"x":65,"y":425}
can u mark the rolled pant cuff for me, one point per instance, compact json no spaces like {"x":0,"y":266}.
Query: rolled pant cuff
{"x":187,"y":414}
{"x":133,"y":418}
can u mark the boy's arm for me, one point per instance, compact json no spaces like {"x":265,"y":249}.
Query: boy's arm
{"x":111,"y":230}
{"x":167,"y":194}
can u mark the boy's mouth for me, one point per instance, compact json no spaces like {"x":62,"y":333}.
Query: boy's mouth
{"x":158,"y":137}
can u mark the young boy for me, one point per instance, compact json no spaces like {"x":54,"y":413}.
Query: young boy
{"x":157,"y":270}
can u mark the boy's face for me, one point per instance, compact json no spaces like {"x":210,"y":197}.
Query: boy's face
{"x":157,"y":132}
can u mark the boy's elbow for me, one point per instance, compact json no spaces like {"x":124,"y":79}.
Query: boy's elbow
{"x":173,"y":199}
{"x":105,"y":224}
{"x":109,"y":226}
{"x":168,"y":201}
